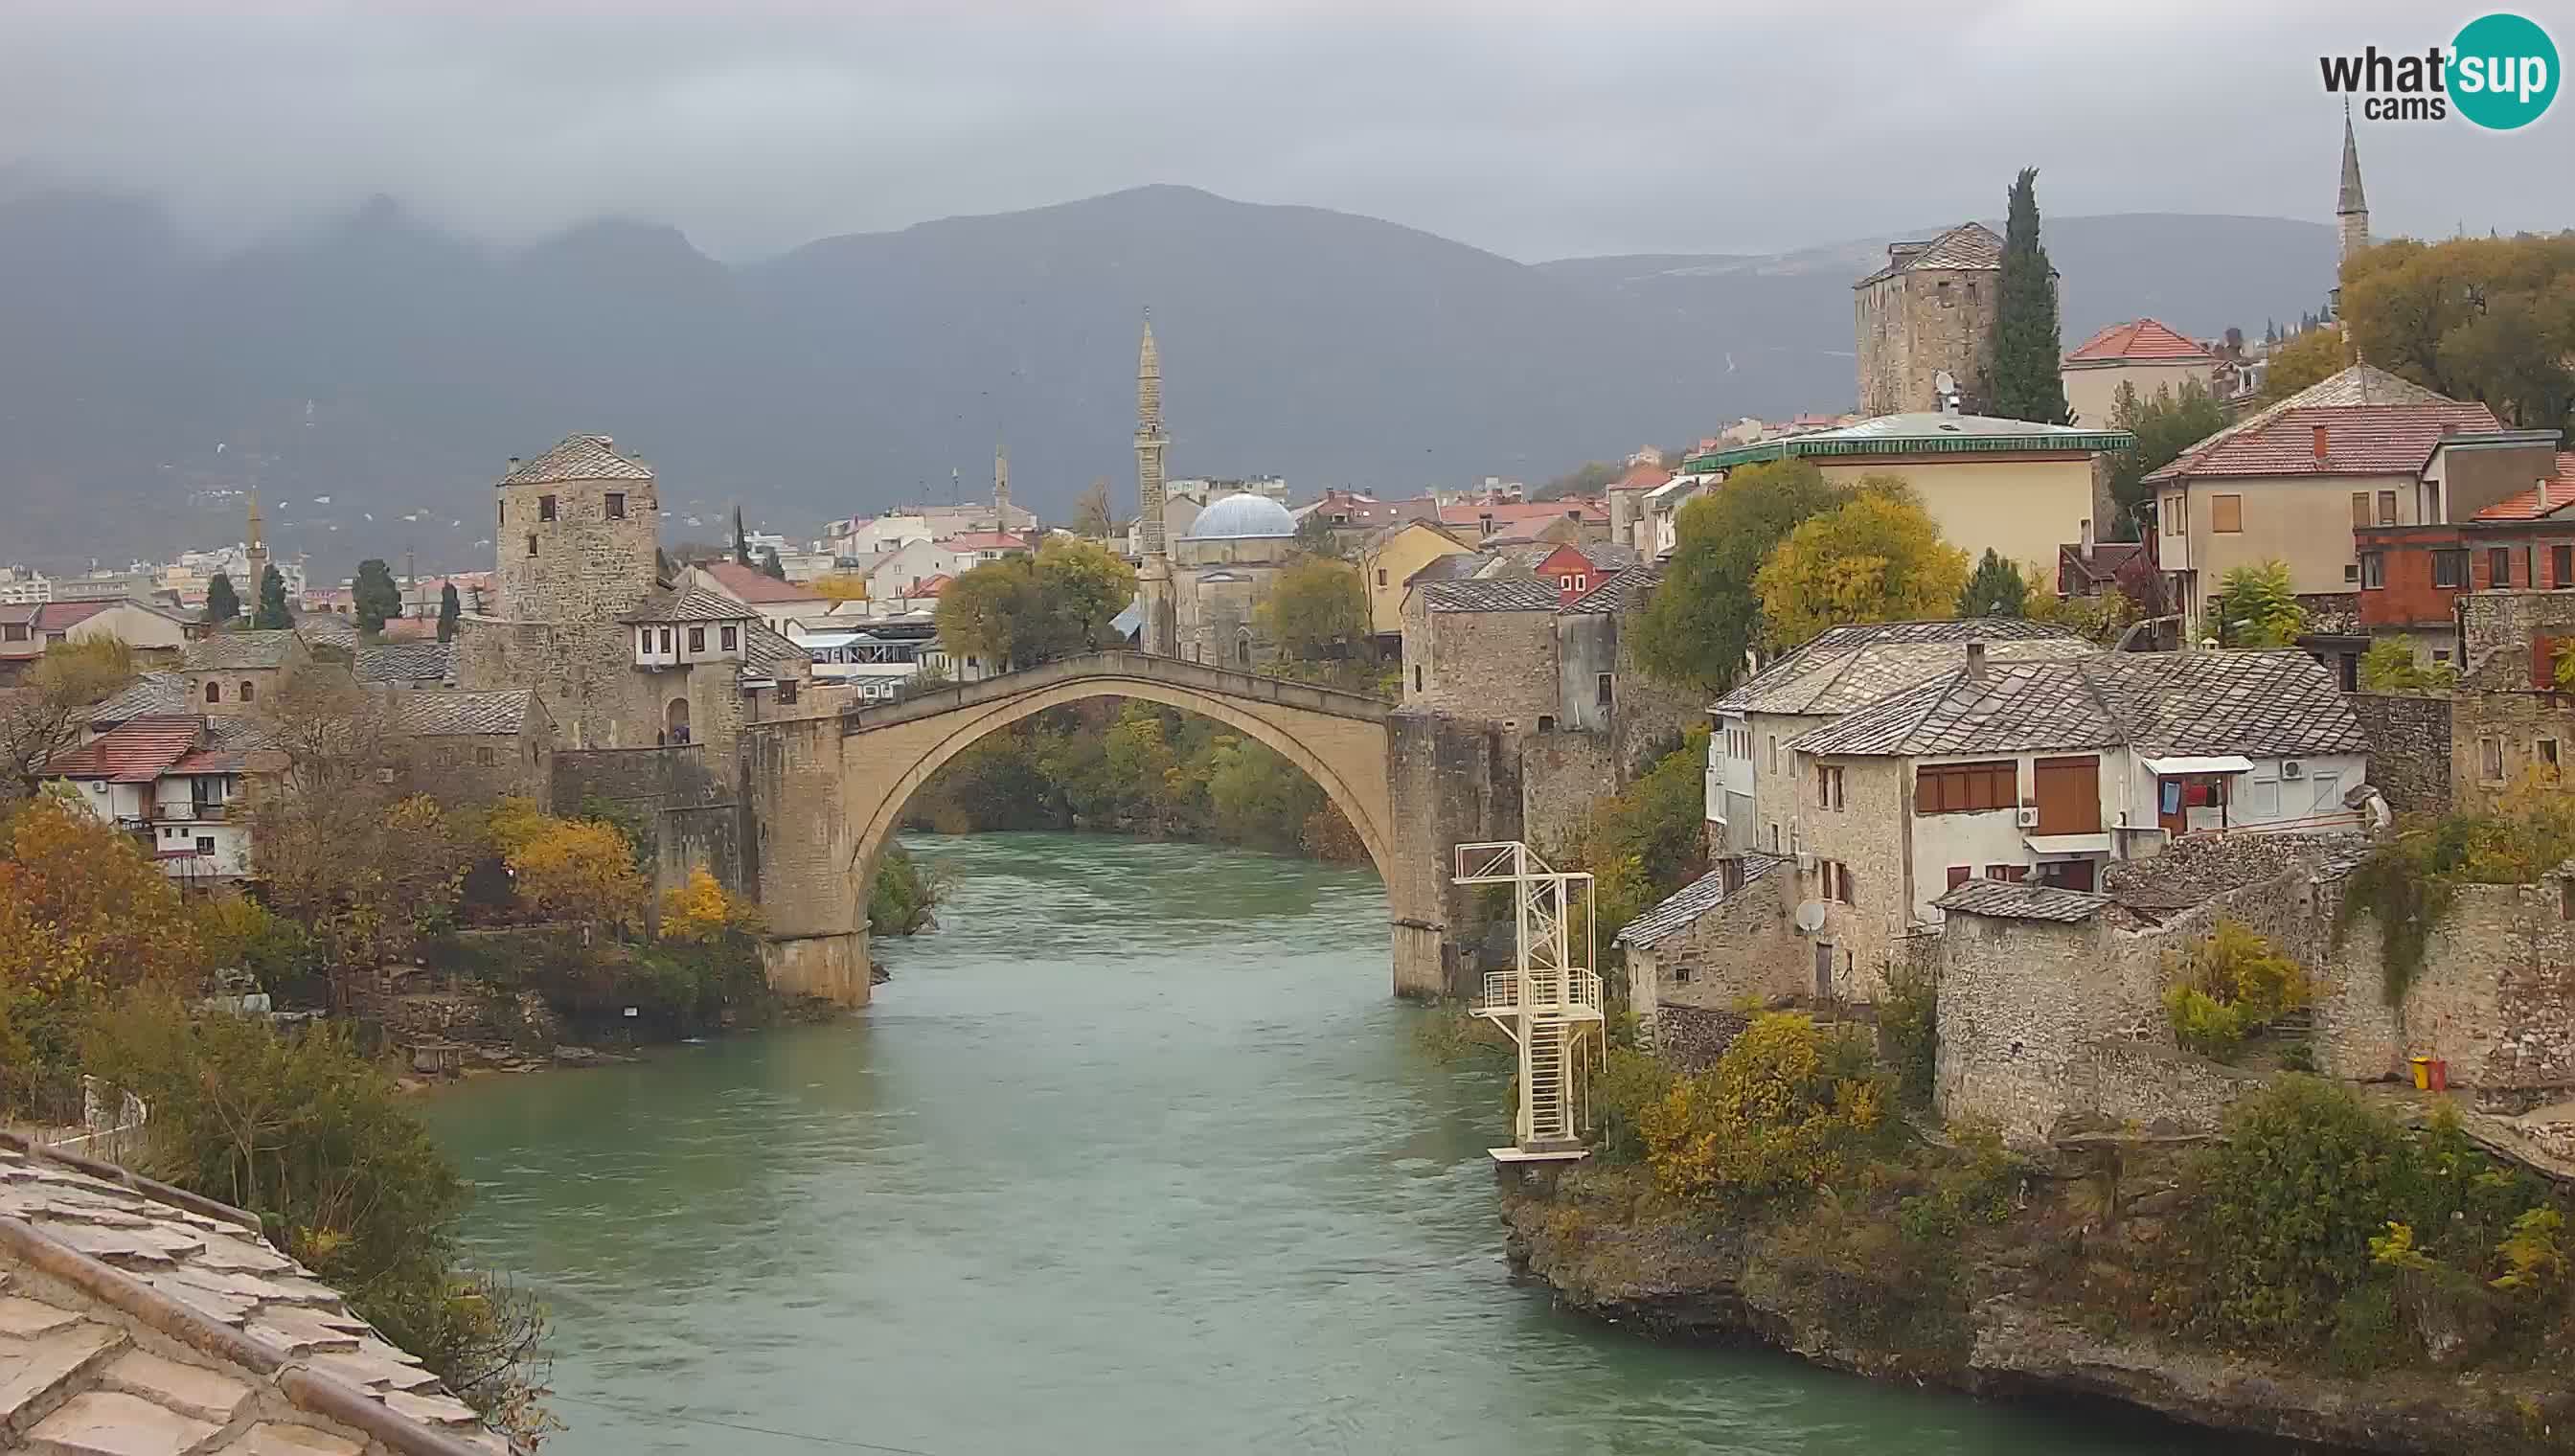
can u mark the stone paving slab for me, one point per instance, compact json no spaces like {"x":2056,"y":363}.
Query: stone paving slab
{"x":190,"y":1390}
{"x":271,"y":1439}
{"x":111,"y":1424}
{"x":32,"y":1370}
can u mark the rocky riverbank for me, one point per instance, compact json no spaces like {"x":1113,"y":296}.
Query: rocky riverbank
{"x":2025,"y":1308}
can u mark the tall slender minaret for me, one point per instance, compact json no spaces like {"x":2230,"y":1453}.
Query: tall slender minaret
{"x":2351,"y":209}
{"x":1001,"y":487}
{"x":1153,"y":578}
{"x":255,"y":554}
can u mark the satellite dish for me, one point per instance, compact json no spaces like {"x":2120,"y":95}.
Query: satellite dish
{"x":1946,"y":382}
{"x":1810,"y":917}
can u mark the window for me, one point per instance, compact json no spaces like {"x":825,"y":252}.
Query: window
{"x":1959,"y":874}
{"x":2387,"y":507}
{"x":2373,"y":570}
{"x":1546,"y":722}
{"x":1829,"y":786}
{"x":1603,"y":689}
{"x":731,"y":636}
{"x":2351,"y":573}
{"x":205,"y":843}
{"x":2490,"y":760}
{"x":1775,"y":752}
{"x":2561,"y":567}
{"x":214,"y":692}
{"x":2449,"y":569}
{"x":1967,"y":787}
{"x":501,"y":518}
{"x":532,"y":543}
{"x":2499,"y":566}
{"x":2547,"y":760}
{"x":666,"y":640}
{"x":484,"y":756}
{"x":243,"y":695}
{"x":2175,"y":519}
{"x":643,"y":639}
{"x":696,"y":639}
{"x":2440,"y":654}
{"x":2008,"y":873}
{"x":2265,"y":799}
{"x":1836,"y":882}
{"x":2226,"y":513}
{"x":1417,"y":680}
{"x":2360,"y":516}
{"x":1381,"y":576}
{"x":617,"y":505}
{"x":545,"y":507}
{"x":1775,"y":836}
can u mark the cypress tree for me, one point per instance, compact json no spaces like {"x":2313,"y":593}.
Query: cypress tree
{"x":223,"y":603}
{"x":770,"y":566}
{"x":741,"y":541}
{"x":2028,"y":345}
{"x":448,"y":610}
{"x":1996,"y":590}
{"x":375,"y":596}
{"x":272,"y":614}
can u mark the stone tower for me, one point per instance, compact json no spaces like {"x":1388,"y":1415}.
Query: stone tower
{"x":2351,"y":209}
{"x":1153,"y":578}
{"x":1001,"y":487}
{"x":255,"y":560}
{"x":577,"y":534}
{"x":1930,"y":310}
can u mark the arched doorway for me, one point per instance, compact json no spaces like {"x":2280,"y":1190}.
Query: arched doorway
{"x":674,"y":721}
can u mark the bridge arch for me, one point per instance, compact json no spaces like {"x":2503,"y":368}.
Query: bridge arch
{"x":1357,"y":789}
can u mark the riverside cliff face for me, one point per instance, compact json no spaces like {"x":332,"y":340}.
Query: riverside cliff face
{"x":2008,"y":1325}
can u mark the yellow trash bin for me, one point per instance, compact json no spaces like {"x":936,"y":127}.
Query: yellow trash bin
{"x":2422,"y":1073}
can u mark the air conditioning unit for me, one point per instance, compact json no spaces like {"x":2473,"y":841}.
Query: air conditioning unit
{"x":2027,"y":819}
{"x":1805,"y":862}
{"x":2292,"y":768}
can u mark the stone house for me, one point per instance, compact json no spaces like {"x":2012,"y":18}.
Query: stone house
{"x":1842,"y":670}
{"x":2354,"y":447}
{"x":473,"y":748}
{"x":2142,"y":354}
{"x":900,"y":574}
{"x":1929,"y":312}
{"x":2018,"y":488}
{"x":177,"y":783}
{"x":1724,"y":938}
{"x":2049,"y":771}
{"x":230,"y":671}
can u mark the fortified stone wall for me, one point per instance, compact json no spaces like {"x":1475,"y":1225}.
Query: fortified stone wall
{"x":2497,"y":628}
{"x":1452,"y":782}
{"x":584,"y":565}
{"x":681,"y":792}
{"x":1498,"y":666}
{"x":1562,"y":775}
{"x":2528,"y":738}
{"x":2495,"y":997}
{"x":451,"y":767}
{"x":2409,"y":748}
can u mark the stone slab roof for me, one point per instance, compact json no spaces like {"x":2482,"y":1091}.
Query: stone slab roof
{"x":1626,"y":592}
{"x":692,"y":604}
{"x":405,"y":662}
{"x":154,"y":693}
{"x":440,"y":713}
{"x":2006,"y":900}
{"x":2192,"y":870}
{"x":1848,"y":667}
{"x":140,"y":1320}
{"x":233,"y":651}
{"x":328,"y":628}
{"x":579,"y":458}
{"x":1969,"y":245}
{"x":1694,"y":900}
{"x":1491,"y":594}
{"x":2259,"y":705}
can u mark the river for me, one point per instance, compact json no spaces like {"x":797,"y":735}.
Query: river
{"x":1136,"y":1155}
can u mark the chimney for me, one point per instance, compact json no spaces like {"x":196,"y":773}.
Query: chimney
{"x":1976,"y":660}
{"x":2087,"y":538}
{"x":2320,"y":444}
{"x":2543,"y":495}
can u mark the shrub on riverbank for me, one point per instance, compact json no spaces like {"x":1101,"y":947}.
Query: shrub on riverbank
{"x":906,"y":893}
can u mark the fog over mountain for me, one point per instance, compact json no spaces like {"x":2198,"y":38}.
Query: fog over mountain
{"x":391,"y":367}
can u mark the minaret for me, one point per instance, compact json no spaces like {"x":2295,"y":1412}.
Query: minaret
{"x":2351,"y":209}
{"x":1001,"y":487}
{"x":255,"y":553}
{"x":1154,"y":578}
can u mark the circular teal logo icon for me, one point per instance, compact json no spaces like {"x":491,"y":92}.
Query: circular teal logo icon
{"x":2503,"y":72}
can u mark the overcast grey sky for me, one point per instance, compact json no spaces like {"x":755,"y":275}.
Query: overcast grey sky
{"x":1533,"y":131}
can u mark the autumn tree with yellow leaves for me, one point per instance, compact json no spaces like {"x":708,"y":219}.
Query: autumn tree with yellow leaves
{"x":1878,"y":558}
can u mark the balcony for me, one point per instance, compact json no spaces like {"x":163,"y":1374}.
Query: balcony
{"x":1574,"y":994}
{"x":189,"y":812}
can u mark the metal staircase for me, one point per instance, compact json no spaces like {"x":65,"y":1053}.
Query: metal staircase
{"x":1549,"y":1000}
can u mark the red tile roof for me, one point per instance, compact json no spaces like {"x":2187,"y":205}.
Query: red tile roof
{"x":751,"y":584}
{"x":932,"y":587}
{"x":1642,"y":477}
{"x":137,"y":750}
{"x":63,"y":616}
{"x":2528,"y":507}
{"x":2140,"y":341}
{"x":2374,"y":422}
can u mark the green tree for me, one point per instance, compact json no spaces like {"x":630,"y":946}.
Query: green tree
{"x":1022,"y":611}
{"x":375,"y":596}
{"x":2488,"y":319}
{"x":1704,"y":621}
{"x":1084,"y":586}
{"x":770,"y":566}
{"x":222,"y":602}
{"x":2028,"y":346}
{"x":2390,"y":666}
{"x":2307,"y":359}
{"x":980,"y":614}
{"x":1317,"y":605}
{"x":51,"y":706}
{"x":450,"y":609}
{"x":2258,"y":608}
{"x":272,"y":614}
{"x":2165,"y":426}
{"x":741,"y":541}
{"x":1877,"y":559}
{"x":1996,"y":590}
{"x":1314,"y":536}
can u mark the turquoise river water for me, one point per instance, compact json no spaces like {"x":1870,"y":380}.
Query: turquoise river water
{"x":1136,"y":1155}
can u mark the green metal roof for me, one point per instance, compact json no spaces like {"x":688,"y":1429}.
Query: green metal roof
{"x":1920,"y":434}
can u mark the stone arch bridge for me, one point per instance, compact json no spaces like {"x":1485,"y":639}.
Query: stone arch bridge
{"x":825,"y":794}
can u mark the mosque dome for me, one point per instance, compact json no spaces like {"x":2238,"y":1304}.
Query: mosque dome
{"x":1238,"y":516}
